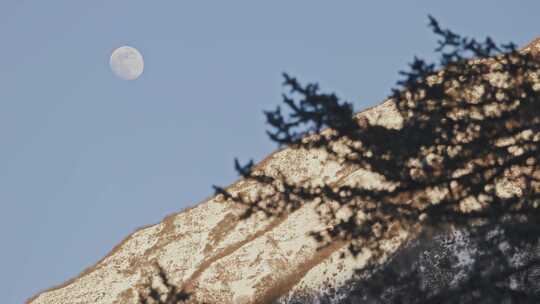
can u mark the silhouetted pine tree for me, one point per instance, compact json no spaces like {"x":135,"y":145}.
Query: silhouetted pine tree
{"x":470,"y":121}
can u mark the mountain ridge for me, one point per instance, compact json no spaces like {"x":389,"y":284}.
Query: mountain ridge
{"x":274,"y":259}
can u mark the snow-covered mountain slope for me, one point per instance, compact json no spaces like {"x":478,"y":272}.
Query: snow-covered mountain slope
{"x":217,"y":257}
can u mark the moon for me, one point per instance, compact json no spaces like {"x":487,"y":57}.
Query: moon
{"x":127,"y":63}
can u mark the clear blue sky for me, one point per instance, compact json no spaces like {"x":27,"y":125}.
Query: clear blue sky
{"x":86,"y":158}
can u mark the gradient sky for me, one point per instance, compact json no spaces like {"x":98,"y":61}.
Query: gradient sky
{"x":86,"y":158}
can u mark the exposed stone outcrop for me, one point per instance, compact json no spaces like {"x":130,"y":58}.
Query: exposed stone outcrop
{"x":219,"y":258}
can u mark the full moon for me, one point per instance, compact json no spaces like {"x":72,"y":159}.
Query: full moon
{"x":127,"y":63}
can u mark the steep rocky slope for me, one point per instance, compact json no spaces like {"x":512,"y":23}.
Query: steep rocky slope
{"x":219,"y":258}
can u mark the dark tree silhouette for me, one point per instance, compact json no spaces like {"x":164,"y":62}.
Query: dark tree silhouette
{"x":463,"y":165}
{"x":166,"y":293}
{"x":466,"y":156}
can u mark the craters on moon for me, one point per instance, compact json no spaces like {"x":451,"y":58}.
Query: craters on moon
{"x":127,"y":63}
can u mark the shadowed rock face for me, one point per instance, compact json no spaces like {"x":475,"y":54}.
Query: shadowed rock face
{"x":217,"y":257}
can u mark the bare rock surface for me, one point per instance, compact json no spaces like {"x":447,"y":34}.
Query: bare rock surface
{"x":219,"y":258}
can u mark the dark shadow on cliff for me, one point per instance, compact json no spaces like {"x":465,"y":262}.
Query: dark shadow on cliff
{"x":465,"y":160}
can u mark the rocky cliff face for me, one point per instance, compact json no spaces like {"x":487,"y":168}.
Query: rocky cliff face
{"x":222,"y":259}
{"x":217,"y":257}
